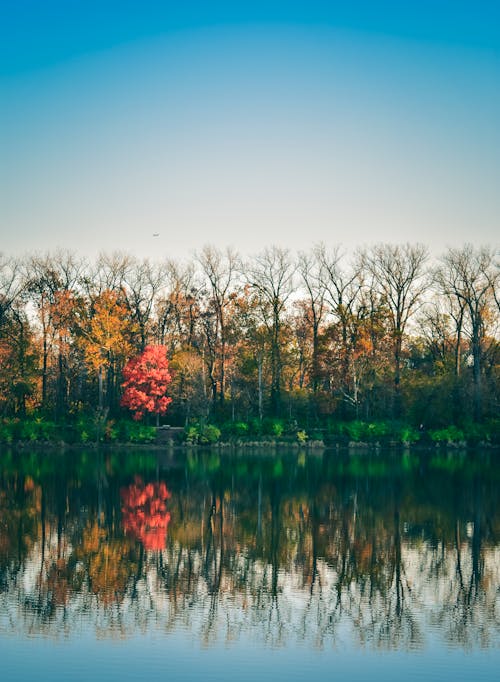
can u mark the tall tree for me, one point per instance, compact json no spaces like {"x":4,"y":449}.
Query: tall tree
{"x":14,"y":336}
{"x":12,"y":284}
{"x":399,"y":275}
{"x":220,"y":269}
{"x":143,"y":282}
{"x":342,"y":289}
{"x":18,"y":361}
{"x":271,"y":276}
{"x":178,"y":308}
{"x":106,"y":333}
{"x":53,"y":281}
{"x":311,"y":269}
{"x":469,"y":277}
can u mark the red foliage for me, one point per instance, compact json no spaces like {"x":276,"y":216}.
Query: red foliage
{"x":145,"y":514}
{"x":146,"y":382}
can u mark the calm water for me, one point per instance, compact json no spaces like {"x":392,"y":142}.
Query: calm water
{"x":270,"y":566}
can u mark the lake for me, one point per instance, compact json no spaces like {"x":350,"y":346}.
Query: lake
{"x":254,"y":565}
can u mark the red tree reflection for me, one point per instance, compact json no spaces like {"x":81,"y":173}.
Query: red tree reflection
{"x":145,"y":514}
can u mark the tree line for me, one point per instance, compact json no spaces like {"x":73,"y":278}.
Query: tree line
{"x":309,"y":338}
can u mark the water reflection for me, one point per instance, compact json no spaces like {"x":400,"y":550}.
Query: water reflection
{"x":376,"y":551}
{"x":145,"y":514}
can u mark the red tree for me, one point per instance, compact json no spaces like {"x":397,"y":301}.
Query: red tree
{"x":146,"y":382}
{"x":145,"y":514}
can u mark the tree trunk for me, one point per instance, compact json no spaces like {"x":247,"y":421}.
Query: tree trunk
{"x":259,"y":374}
{"x":100,"y":384}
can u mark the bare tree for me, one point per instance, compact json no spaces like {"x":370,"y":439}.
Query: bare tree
{"x":342,"y":292}
{"x":142,"y":283}
{"x":109,"y":273}
{"x":437,"y":330}
{"x":12,"y":284}
{"x":179,"y":326}
{"x":399,"y":275}
{"x":177,"y":310}
{"x":311,"y":269}
{"x":271,"y":276}
{"x":221,"y":270}
{"x":469,"y":278}
{"x":446,"y":282}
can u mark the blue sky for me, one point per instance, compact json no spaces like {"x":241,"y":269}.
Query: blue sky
{"x":247,"y":124}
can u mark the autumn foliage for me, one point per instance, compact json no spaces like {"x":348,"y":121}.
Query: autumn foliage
{"x":145,"y":514}
{"x":312,"y":339}
{"x":147,"y":379}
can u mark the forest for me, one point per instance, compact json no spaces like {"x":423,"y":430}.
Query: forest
{"x":382,"y":342}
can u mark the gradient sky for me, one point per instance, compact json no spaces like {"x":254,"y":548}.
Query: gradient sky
{"x":247,"y":124}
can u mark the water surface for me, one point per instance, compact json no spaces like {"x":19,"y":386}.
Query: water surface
{"x":263,"y":565}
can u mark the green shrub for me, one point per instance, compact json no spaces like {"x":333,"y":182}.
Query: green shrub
{"x":28,"y":431}
{"x":85,"y":429}
{"x":451,"y":434}
{"x":256,"y":426}
{"x":377,"y":431}
{"x":302,"y":436}
{"x":129,"y":431}
{"x":475,"y":433}
{"x":209,"y":434}
{"x":191,"y":434}
{"x":84,"y":436}
{"x":36,"y":429}
{"x":273,"y":427}
{"x":372,"y":432}
{"x":408,"y":434}
{"x":6,"y":431}
{"x":203,"y":434}
{"x":235,"y":429}
{"x":356,"y":430}
{"x":492,"y":430}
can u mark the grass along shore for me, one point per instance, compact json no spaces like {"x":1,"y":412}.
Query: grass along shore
{"x":93,"y":429}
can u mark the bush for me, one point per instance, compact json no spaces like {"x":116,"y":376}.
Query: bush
{"x":377,"y":431}
{"x":256,"y":426}
{"x":273,"y":427}
{"x":408,"y":434}
{"x":37,"y":429}
{"x":202,"y":434}
{"x":209,"y":434}
{"x":372,"y":432}
{"x":6,"y":431}
{"x":235,"y":429}
{"x":191,"y":434}
{"x":129,"y":431}
{"x":451,"y":434}
{"x":302,"y":437}
{"x":85,"y":429}
{"x":492,"y":429}
{"x":356,"y":430}
{"x":488,"y":432}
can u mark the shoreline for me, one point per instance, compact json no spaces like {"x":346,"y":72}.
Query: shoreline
{"x":315,"y":447}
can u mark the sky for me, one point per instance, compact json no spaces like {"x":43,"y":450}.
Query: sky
{"x":247,"y":124}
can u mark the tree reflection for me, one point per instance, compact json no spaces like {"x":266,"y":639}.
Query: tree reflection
{"x":274,"y":548}
{"x":145,"y":514}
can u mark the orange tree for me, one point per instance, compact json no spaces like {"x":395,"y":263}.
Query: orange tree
{"x":106,"y":334}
